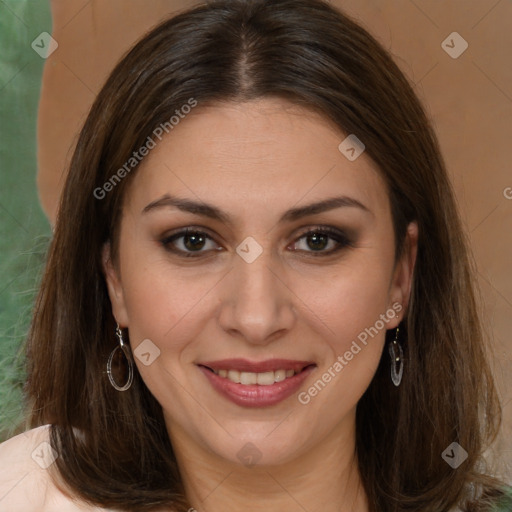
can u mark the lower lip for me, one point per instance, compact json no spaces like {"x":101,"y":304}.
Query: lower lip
{"x":256,"y":395}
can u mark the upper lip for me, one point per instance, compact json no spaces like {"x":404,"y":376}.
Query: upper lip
{"x":244,"y":365}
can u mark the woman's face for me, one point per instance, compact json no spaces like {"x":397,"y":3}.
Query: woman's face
{"x":257,"y":279}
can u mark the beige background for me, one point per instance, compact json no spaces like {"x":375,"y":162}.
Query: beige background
{"x":469,"y":100}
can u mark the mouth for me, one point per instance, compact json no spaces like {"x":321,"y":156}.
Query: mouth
{"x":256,"y":384}
{"x":263,"y":373}
{"x":259,"y":378}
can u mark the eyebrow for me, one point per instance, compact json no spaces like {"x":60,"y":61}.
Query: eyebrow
{"x":293,"y":214}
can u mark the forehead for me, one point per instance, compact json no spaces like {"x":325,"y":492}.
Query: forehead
{"x":263,"y":155}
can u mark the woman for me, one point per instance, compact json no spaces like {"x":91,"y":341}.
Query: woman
{"x":258,"y":294}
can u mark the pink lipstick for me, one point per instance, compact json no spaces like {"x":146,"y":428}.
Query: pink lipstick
{"x":256,"y":384}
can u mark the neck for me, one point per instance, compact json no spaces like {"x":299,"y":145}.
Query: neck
{"x":325,"y":477}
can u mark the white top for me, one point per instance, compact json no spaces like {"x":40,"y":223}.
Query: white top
{"x":25,"y":484}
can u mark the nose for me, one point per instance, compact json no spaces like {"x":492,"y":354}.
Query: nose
{"x":257,"y":301}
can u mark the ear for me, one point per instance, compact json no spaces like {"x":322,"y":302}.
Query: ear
{"x":115,"y":289}
{"x":401,"y":284}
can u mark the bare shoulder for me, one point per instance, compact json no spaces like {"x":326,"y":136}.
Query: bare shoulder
{"x":25,"y":481}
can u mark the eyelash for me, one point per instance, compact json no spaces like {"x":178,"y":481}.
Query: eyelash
{"x":334,"y":234}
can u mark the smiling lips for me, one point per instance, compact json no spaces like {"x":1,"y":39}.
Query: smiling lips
{"x":256,"y":384}
{"x":264,"y":373}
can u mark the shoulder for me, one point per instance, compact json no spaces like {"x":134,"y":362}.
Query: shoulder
{"x":25,"y":482}
{"x":21,"y":470}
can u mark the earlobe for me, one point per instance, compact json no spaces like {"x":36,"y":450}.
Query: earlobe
{"x":115,"y":290}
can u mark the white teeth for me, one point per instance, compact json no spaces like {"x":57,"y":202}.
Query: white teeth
{"x":234,"y":375}
{"x":280,"y":375}
{"x":265,"y":379}
{"x":250,"y":378}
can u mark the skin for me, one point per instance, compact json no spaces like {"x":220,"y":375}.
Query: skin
{"x":254,"y":161}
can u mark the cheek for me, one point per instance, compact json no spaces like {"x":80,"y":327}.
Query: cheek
{"x":160,"y":300}
{"x":348,"y":300}
{"x":163,"y":307}
{"x":356,"y":311}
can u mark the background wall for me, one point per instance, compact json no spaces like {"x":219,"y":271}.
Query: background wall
{"x":467,"y":93}
{"x":469,"y":100}
{"x":24,"y":230}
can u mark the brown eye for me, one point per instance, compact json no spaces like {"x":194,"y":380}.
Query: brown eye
{"x":194,"y":241}
{"x":323,"y":241}
{"x":188,"y":242}
{"x":317,"y":241}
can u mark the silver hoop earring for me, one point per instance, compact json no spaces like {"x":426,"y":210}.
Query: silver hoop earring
{"x":397,"y":360}
{"x":125,"y":350}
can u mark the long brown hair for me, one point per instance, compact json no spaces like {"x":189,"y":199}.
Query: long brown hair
{"x":307,"y":52}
